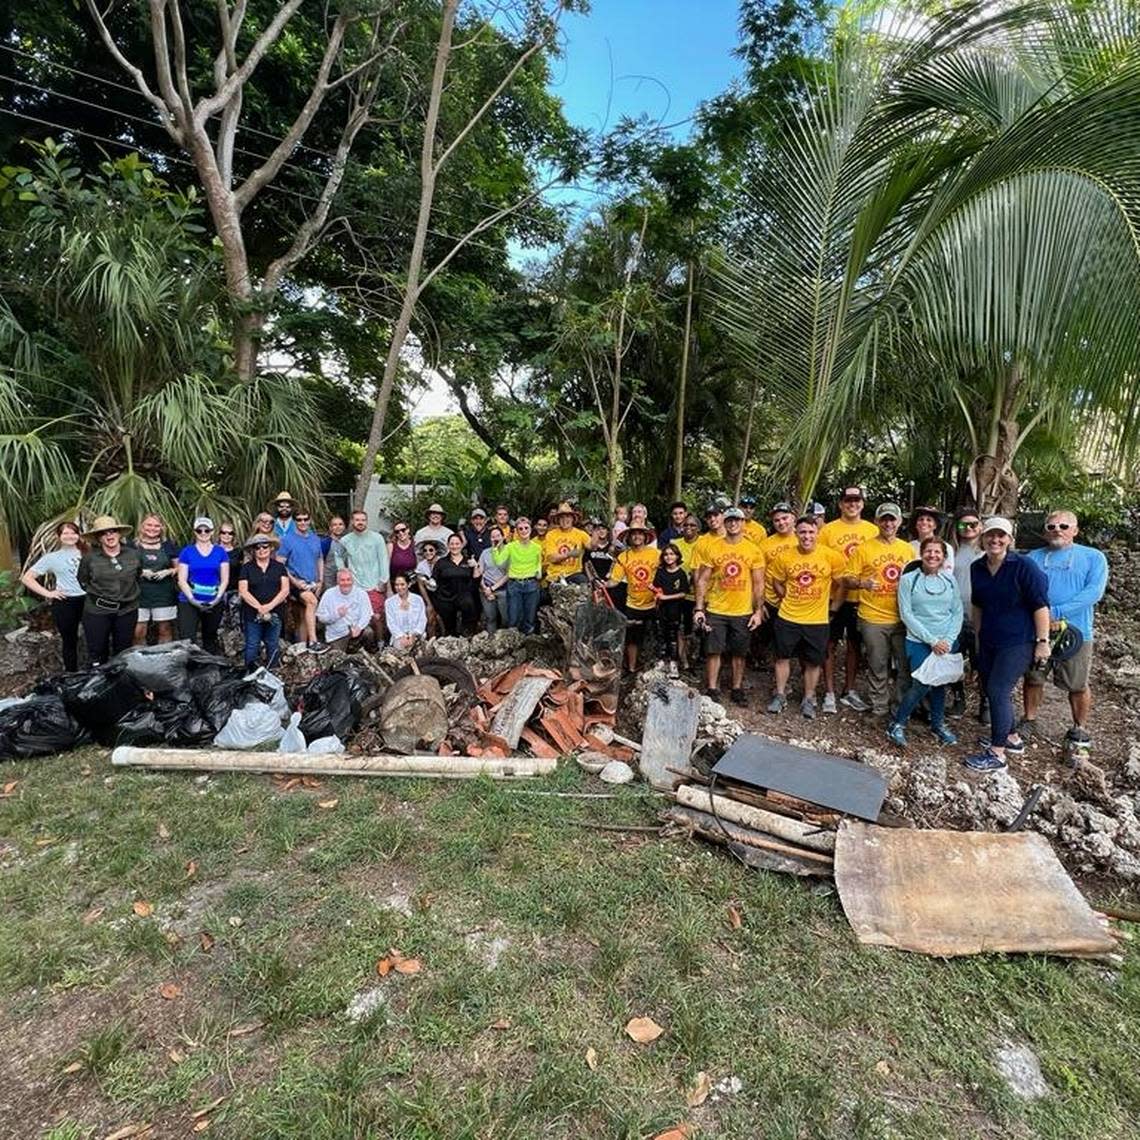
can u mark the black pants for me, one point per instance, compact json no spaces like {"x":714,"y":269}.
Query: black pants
{"x":108,"y":634}
{"x":669,"y":617}
{"x":190,"y":619}
{"x":68,"y":615}
{"x":456,"y":614}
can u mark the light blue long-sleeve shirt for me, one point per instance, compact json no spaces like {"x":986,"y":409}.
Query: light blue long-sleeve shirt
{"x":1077,"y":578}
{"x":930,"y":606}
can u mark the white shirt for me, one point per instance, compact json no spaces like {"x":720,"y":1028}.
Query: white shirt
{"x":357,"y":614}
{"x":438,"y":534}
{"x":404,"y":621}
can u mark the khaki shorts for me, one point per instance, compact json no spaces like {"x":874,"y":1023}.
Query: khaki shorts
{"x":159,"y":613}
{"x":1071,"y":675}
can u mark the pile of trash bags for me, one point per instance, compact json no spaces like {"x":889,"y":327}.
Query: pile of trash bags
{"x":178,"y":696}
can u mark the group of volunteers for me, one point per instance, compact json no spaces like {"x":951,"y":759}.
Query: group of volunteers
{"x":722,"y":587}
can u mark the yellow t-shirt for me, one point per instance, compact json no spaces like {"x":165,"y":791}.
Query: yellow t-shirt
{"x":754,"y":531}
{"x":729,"y":590}
{"x":636,"y":568}
{"x":557,"y":542}
{"x":807,"y":580}
{"x":687,"y":549}
{"x":884,"y":562}
{"x":844,"y":536}
{"x":771,"y":546}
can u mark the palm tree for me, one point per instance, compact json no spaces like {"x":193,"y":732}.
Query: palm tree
{"x":954,"y":215}
{"x":116,"y":392}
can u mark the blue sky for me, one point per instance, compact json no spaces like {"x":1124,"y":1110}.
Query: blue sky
{"x":658,"y":57}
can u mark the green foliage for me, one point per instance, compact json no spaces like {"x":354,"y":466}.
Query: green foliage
{"x":13,"y":601}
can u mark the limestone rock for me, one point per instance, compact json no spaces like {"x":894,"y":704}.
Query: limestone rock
{"x":616,"y":772}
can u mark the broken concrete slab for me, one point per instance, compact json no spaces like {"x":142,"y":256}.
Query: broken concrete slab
{"x":1021,"y":1071}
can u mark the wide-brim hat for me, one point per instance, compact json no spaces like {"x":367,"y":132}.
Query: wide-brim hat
{"x":104,"y":523}
{"x":565,"y":508}
{"x":435,"y":509}
{"x":933,"y":512}
{"x":257,"y":539}
{"x":641,"y":528}
{"x":282,"y":497}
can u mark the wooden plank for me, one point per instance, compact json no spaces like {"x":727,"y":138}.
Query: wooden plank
{"x":513,"y":714}
{"x":669,"y":733}
{"x":803,"y":834}
{"x":342,"y":764}
{"x":949,"y":893}
{"x":746,"y":845}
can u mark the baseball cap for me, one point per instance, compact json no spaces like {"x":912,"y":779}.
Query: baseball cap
{"x":887,"y":510}
{"x":714,"y":509}
{"x":733,"y":513}
{"x":748,"y":500}
{"x":203,"y":520}
{"x":998,"y":523}
{"x":784,"y":508}
{"x":478,"y":513}
{"x":817,"y":509}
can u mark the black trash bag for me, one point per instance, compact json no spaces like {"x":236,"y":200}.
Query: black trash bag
{"x":169,"y":720}
{"x":107,"y":694}
{"x":40,"y":726}
{"x":158,"y":668}
{"x":330,"y":703}
{"x":215,"y":692}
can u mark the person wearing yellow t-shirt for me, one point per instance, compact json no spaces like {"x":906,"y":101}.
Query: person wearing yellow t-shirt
{"x":753,"y":528}
{"x":807,"y":579}
{"x":635,"y":566}
{"x":687,"y":545}
{"x":783,"y":537}
{"x":874,"y":569}
{"x":844,"y":534}
{"x":730,"y":599}
{"x":714,"y":529}
{"x":562,"y":548}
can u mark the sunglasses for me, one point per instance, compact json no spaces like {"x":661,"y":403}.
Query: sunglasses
{"x":302,"y":518}
{"x":203,"y":530}
{"x":226,"y":533}
{"x":968,"y":524}
{"x":401,"y":530}
{"x":1058,"y":526}
{"x":262,"y":545}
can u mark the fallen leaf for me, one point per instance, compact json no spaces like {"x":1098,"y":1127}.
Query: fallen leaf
{"x":681,"y":1132}
{"x":205,"y":1111}
{"x":173,"y":938}
{"x":168,"y":991}
{"x":93,"y":915}
{"x":177,"y":1056}
{"x":191,"y":869}
{"x":290,"y":784}
{"x":327,"y":804}
{"x":644,"y":1030}
{"x":735,"y":918}
{"x":502,"y":1023}
{"x":591,"y":1058}
{"x":206,"y":941}
{"x":129,"y":1131}
{"x":142,"y":908}
{"x":241,"y":850}
{"x":310,"y":782}
{"x":163,"y":832}
{"x":384,"y":967}
{"x":85,"y":771}
{"x":699,"y":1093}
{"x":74,"y":1067}
{"x":882,"y":1068}
{"x":200,"y":1125}
{"x":409,"y":966}
{"x":244,"y":1030}
{"x":10,"y":787}
{"x":46,"y":840}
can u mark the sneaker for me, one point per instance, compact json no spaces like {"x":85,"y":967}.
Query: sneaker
{"x":829,"y":706}
{"x":738,"y":697}
{"x":778,"y":703}
{"x":853,"y":701}
{"x":807,"y":707}
{"x":713,"y":695}
{"x":944,"y":735}
{"x":674,"y":673}
{"x":1014,"y":745}
{"x":896,"y":734}
{"x":957,"y":706}
{"x":985,"y":761}
{"x":1078,"y":735}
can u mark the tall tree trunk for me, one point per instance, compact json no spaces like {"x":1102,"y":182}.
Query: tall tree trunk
{"x":747,"y":441}
{"x":679,"y":440}
{"x":994,"y":485}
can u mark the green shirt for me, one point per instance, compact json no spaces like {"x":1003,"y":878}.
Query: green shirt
{"x":522,"y":559}
{"x":367,"y":558}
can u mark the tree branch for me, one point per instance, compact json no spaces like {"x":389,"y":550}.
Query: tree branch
{"x":477,"y":426}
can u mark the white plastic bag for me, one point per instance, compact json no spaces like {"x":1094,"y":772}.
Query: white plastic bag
{"x":251,"y":726}
{"x":326,"y":745}
{"x":940,"y":669}
{"x":294,"y":738}
{"x":279,"y":704}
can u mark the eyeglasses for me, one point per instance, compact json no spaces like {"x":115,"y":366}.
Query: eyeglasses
{"x":401,"y":530}
{"x":968,"y":524}
{"x":226,"y":533}
{"x":203,"y":530}
{"x":302,"y":518}
{"x":1058,"y":526}
{"x":852,"y":499}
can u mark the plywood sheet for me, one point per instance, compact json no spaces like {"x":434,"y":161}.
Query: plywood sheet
{"x":949,"y":893}
{"x":669,"y":732}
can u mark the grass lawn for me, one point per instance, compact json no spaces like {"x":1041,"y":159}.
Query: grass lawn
{"x":538,"y":939}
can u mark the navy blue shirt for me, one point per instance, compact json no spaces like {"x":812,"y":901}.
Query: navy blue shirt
{"x":1008,"y":599}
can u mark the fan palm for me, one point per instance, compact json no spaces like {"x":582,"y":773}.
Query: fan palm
{"x":115,"y":394}
{"x":956,"y":210}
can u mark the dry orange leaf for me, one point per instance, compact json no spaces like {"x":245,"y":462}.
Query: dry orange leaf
{"x":177,"y":1056}
{"x":244,"y":1030}
{"x":191,"y":869}
{"x":129,"y":1132}
{"x":10,"y":787}
{"x":290,"y":784}
{"x":310,"y":782}
{"x":592,"y":1058}
{"x":93,"y":915}
{"x":206,"y":941}
{"x":207,"y":1109}
{"x":327,"y":804}
{"x":735,"y":918}
{"x":168,"y":991}
{"x":681,"y":1132}
{"x":384,"y":967}
{"x":644,"y":1030}
{"x":882,"y":1068}
{"x":409,"y":966}
{"x":699,"y":1093}
{"x":502,"y":1023}
{"x":142,"y":908}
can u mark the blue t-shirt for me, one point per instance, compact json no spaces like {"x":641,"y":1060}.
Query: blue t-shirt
{"x":1008,"y":599}
{"x":204,"y":571}
{"x":301,"y":553}
{"x":1077,"y":580}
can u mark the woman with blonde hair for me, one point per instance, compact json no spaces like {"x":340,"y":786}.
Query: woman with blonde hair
{"x":158,"y":599}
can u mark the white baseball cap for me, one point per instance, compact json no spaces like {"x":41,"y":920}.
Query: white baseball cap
{"x":998,"y":523}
